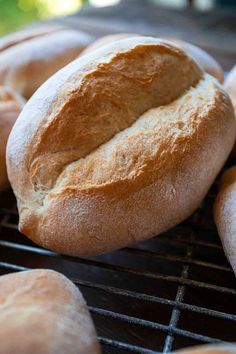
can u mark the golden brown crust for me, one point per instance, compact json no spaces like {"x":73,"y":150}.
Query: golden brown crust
{"x":119,"y":150}
{"x":42,"y":312}
{"x":210,"y":349}
{"x":204,"y":60}
{"x":28,"y":59}
{"x":225,"y":214}
{"x":11,"y":105}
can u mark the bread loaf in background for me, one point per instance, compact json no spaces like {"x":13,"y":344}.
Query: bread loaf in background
{"x":121,"y":144}
{"x":29,"y":58}
{"x":11,"y":105}
{"x":210,"y":349}
{"x":25,"y":34}
{"x":230,"y":86}
{"x":225,"y":214}
{"x":42,"y":312}
{"x":204,"y":60}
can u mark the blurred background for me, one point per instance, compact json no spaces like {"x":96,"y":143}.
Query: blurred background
{"x":210,"y":24}
{"x":17,"y":13}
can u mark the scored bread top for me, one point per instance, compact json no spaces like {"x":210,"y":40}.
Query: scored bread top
{"x":91,"y":100}
{"x":143,"y":141}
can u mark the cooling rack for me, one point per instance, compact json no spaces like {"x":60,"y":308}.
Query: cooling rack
{"x":173,"y":291}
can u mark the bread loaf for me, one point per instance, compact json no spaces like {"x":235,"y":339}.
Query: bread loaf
{"x":29,"y":58}
{"x":225,"y":214}
{"x":121,"y":145}
{"x":42,"y":312}
{"x":11,"y":105}
{"x":210,"y":349}
{"x":204,"y":60}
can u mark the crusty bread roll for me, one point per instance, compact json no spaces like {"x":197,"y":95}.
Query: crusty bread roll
{"x":42,"y":312}
{"x":11,"y":105}
{"x":204,"y":60}
{"x":230,"y":86}
{"x":210,"y":349}
{"x":225,"y":214}
{"x":121,"y":145}
{"x":32,"y":57}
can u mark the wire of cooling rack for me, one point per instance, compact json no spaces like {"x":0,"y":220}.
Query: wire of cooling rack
{"x":170,"y":292}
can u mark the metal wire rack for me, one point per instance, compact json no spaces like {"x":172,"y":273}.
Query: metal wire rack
{"x":172,"y":291}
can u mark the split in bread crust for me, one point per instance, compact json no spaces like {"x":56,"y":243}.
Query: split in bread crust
{"x":121,"y":145}
{"x":29,"y":58}
{"x":43,"y":312}
{"x":225,"y":214}
{"x":11,"y":105}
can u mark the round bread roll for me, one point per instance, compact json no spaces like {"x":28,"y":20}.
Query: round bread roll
{"x":11,"y":105}
{"x":204,"y":60}
{"x":43,"y":312}
{"x":210,"y":349}
{"x":32,"y":57}
{"x":225,"y":214}
{"x":230,"y":86}
{"x":122,"y":144}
